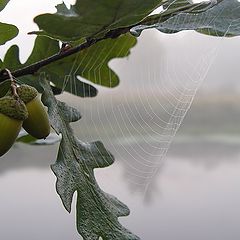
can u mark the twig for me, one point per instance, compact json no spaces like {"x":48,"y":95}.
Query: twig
{"x":13,"y":83}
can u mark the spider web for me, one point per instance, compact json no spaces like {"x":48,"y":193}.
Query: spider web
{"x":139,"y":120}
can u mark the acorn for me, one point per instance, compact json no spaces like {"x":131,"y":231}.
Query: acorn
{"x":37,"y":124}
{"x":12,"y":114}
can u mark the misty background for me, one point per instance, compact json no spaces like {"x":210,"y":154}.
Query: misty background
{"x":192,"y":192}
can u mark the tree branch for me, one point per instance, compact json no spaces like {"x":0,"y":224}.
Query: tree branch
{"x":33,"y":68}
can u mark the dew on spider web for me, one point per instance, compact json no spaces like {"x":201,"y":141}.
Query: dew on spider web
{"x":138,"y":121}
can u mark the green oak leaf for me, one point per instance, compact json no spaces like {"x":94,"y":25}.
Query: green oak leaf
{"x":40,"y":51}
{"x":4,"y":87}
{"x":7,"y":32}
{"x":92,"y":63}
{"x":43,"y":48}
{"x":3,"y":4}
{"x":93,"y":19}
{"x":221,"y":19}
{"x":11,"y":58}
{"x":97,"y":211}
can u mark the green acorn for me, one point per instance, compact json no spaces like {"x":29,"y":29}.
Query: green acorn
{"x":12,"y":114}
{"x":37,"y":124}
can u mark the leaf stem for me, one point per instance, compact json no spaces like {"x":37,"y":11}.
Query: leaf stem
{"x":13,"y":83}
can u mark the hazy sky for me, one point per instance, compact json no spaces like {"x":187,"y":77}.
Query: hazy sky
{"x":21,"y":14}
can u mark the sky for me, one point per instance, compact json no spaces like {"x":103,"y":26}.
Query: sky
{"x":21,"y":14}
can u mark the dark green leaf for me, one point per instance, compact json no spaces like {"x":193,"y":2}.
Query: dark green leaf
{"x":12,"y":62}
{"x":4,"y":87}
{"x":7,"y":32}
{"x":66,"y":74}
{"x":97,"y":211}
{"x":91,"y":18}
{"x":11,"y":58}
{"x":222,"y":19}
{"x":44,"y":48}
{"x":3,"y":4}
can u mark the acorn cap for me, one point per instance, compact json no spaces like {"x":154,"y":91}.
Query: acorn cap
{"x":27,"y":93}
{"x":13,"y":108}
